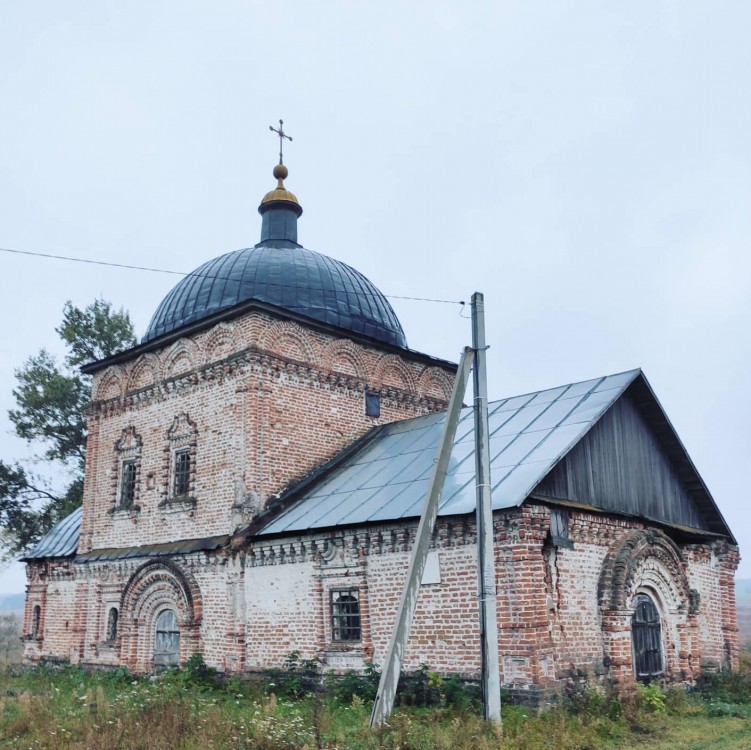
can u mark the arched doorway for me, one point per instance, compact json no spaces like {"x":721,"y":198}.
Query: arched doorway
{"x":159,"y":617}
{"x":166,"y":641}
{"x":646,"y":634}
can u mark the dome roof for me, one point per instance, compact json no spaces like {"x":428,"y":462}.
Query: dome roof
{"x":286,"y":275}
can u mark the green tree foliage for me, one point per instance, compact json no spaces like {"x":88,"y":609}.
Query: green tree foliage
{"x":51,"y":398}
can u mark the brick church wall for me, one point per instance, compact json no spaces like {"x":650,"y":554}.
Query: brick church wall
{"x":258,"y":606}
{"x":552,"y":610}
{"x":264,"y":402}
{"x":261,"y":402}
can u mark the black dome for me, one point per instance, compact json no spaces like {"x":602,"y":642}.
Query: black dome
{"x":286,"y":275}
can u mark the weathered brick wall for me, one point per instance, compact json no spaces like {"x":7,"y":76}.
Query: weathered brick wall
{"x":259,"y":403}
{"x":52,"y":587}
{"x":267,"y":401}
{"x":711,"y":571}
{"x":249,"y":609}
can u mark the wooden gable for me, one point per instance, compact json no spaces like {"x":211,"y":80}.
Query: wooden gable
{"x":632,"y":462}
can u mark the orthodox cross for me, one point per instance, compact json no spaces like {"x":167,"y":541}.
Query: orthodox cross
{"x":282,"y":135}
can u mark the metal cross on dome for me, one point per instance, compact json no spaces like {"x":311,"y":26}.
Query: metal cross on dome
{"x":282,"y":135}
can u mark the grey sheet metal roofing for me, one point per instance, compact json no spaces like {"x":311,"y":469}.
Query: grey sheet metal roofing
{"x":61,"y":540}
{"x":387,"y":478}
{"x":181,"y":547}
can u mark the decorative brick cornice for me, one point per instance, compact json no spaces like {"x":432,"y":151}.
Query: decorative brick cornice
{"x":350,"y":545}
{"x":261,"y":361}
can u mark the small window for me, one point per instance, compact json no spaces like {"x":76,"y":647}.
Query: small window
{"x":36,"y":621}
{"x":345,"y":616}
{"x":182,"y":472}
{"x":559,"y":529}
{"x":127,"y":483}
{"x":372,"y":405}
{"x":111,"y":633}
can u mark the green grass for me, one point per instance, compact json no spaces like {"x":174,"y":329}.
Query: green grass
{"x":68,"y":708}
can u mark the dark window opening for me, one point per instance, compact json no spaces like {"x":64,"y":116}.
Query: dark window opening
{"x":36,"y":620}
{"x":559,"y":529}
{"x":646,"y":633}
{"x":111,"y":624}
{"x":128,"y":483}
{"x":182,"y":472}
{"x":372,"y":405}
{"x":345,"y":616}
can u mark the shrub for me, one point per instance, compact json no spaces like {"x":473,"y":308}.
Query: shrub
{"x":345,"y":687}
{"x":297,"y":678}
{"x":653,"y":697}
{"x":420,"y":688}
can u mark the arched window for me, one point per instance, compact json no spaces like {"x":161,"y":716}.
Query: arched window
{"x":166,"y":640}
{"x":646,"y":634}
{"x":111,"y":633}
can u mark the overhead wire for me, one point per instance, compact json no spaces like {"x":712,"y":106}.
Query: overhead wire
{"x":187,"y":274}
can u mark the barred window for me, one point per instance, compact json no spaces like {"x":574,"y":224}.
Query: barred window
{"x":127,"y":483}
{"x":345,"y":615}
{"x":180,"y":462}
{"x":127,"y":470}
{"x":182,"y":472}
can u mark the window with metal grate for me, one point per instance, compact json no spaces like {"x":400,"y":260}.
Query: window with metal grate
{"x":345,"y":615}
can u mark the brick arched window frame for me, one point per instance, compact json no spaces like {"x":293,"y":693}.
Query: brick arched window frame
{"x":127,"y":471}
{"x":646,"y":564}
{"x":155,"y":587}
{"x":179,"y":462}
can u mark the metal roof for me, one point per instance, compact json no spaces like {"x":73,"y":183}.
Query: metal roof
{"x":287,"y":276}
{"x":387,"y":479}
{"x":165,"y":549}
{"x":61,"y":541}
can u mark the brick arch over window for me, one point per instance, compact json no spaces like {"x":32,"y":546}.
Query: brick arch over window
{"x":343,"y":356}
{"x":390,"y":370}
{"x":181,"y":358}
{"x":220,"y":343}
{"x":153,"y":588}
{"x":145,"y":372}
{"x":111,"y":385}
{"x":434,"y":382}
{"x":647,"y":562}
{"x":290,"y":341}
{"x":626,"y":566}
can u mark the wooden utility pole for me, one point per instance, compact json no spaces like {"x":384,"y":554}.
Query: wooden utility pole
{"x":491,"y":684}
{"x":384,"y":702}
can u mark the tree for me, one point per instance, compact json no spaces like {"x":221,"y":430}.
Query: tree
{"x":50,"y":402}
{"x":10,"y":638}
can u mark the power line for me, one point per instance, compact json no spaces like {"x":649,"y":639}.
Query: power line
{"x":110,"y":264}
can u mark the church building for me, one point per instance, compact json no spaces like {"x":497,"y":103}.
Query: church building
{"x":257,"y":465}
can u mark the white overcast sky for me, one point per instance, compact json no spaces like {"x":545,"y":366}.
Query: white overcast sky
{"x":587,"y":165}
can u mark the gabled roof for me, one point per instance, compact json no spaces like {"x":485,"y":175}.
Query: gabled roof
{"x":61,"y":540}
{"x":386,"y":476}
